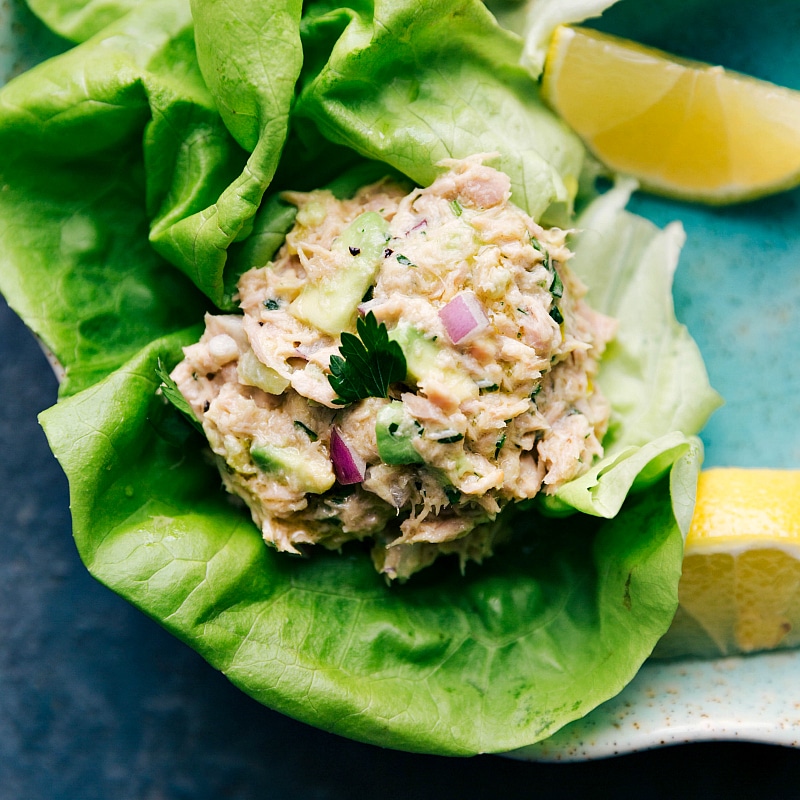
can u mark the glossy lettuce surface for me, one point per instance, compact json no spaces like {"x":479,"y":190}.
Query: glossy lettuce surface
{"x":141,"y":175}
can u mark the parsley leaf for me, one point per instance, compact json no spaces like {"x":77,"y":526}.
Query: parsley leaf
{"x":170,"y":390}
{"x":368,"y":364}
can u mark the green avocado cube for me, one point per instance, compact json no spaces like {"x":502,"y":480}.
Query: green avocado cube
{"x":293,"y":466}
{"x":331,"y":304}
{"x":395,"y":432}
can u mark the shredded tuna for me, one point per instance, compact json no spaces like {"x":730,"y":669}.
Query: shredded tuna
{"x":503,"y":414}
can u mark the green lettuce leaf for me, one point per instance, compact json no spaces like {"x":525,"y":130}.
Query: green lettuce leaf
{"x":489,"y":661}
{"x":410,"y":83}
{"x":79,"y":20}
{"x":139,"y":78}
{"x":652,"y":372}
{"x":80,"y":193}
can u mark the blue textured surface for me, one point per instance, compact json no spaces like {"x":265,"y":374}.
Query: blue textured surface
{"x":97,"y":702}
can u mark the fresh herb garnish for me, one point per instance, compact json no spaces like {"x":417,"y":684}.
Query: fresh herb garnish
{"x":271,"y":304}
{"x":499,"y":445}
{"x":311,"y":434}
{"x":556,"y":287}
{"x":456,"y":437}
{"x":369,"y":363}
{"x":555,"y":313}
{"x":456,"y":208}
{"x":405,"y":260}
{"x":537,"y":245}
{"x":170,"y":390}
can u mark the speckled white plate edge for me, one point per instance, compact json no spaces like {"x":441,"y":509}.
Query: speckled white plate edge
{"x":751,"y":698}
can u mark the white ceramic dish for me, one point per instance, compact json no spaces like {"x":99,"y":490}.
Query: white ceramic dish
{"x":740,"y":698}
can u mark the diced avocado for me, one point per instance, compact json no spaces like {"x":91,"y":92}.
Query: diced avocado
{"x":395,"y":432}
{"x":422,"y":362}
{"x":310,"y":474}
{"x":252,"y":372}
{"x":312,"y":214}
{"x":331,"y":304}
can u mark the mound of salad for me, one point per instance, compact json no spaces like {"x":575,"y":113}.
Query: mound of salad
{"x":407,"y":324}
{"x":470,"y":383}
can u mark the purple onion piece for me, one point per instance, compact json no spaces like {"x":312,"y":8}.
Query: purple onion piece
{"x":348,"y":466}
{"x":463,"y":316}
{"x":423,"y":223}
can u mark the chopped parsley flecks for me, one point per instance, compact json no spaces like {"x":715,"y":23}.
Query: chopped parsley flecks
{"x":537,"y":245}
{"x":557,"y":287}
{"x":311,"y":434}
{"x":456,"y":437}
{"x":170,"y":390}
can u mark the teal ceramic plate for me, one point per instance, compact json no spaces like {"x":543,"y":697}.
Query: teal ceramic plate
{"x":738,"y":290}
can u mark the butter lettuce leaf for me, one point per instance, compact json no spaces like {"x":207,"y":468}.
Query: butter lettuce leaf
{"x":74,"y":215}
{"x":652,"y":372}
{"x":79,"y":20}
{"x":410,"y":83}
{"x":139,"y":80}
{"x":489,"y":661}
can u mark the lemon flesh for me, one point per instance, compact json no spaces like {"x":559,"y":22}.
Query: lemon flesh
{"x":682,"y":128}
{"x":740,"y":588}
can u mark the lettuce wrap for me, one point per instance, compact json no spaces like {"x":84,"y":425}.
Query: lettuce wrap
{"x":142,"y":172}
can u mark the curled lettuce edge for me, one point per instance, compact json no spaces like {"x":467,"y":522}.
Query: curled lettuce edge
{"x":537,"y":19}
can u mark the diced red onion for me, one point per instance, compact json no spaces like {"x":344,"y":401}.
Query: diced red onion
{"x":463,"y":316}
{"x":423,"y":223}
{"x":348,"y":465}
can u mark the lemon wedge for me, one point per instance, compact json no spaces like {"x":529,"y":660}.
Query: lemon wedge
{"x":740,"y":588}
{"x":682,"y":128}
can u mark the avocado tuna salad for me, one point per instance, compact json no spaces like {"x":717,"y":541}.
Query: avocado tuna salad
{"x":409,"y":364}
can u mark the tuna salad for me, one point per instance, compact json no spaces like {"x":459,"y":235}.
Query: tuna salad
{"x":409,"y":364}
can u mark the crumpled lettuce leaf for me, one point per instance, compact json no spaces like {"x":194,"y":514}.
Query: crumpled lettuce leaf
{"x":77,"y":265}
{"x":410,"y":83}
{"x":135,"y":153}
{"x":652,"y":372}
{"x":140,"y":77}
{"x":79,"y":20}
{"x":489,"y":661}
{"x":536,"y":20}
